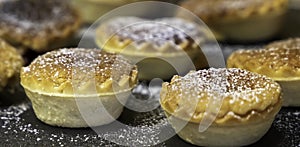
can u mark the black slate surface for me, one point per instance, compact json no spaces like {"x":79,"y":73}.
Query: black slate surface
{"x":20,"y":127}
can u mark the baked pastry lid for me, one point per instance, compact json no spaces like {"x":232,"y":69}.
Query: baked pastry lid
{"x":159,"y":37}
{"x":278,"y":63}
{"x":237,"y":107}
{"x":218,"y":10}
{"x":79,"y":71}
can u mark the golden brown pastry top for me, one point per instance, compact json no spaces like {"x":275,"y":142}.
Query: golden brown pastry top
{"x":276,"y":63}
{"x":288,"y":43}
{"x":23,"y":22}
{"x":216,"y":10}
{"x":66,"y":70}
{"x":247,"y":96}
{"x":10,"y":63}
{"x":165,"y":35}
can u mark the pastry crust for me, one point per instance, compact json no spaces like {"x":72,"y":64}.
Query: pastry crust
{"x":60,"y":86}
{"x":288,"y":43}
{"x":91,"y":10}
{"x":279,"y":60}
{"x":216,"y":10}
{"x":233,"y":20}
{"x":247,"y":97}
{"x":38,"y":25}
{"x":216,"y":135}
{"x":10,"y":64}
{"x":54,"y":72}
{"x":280,"y":64}
{"x":166,"y":36}
{"x":161,"y":48}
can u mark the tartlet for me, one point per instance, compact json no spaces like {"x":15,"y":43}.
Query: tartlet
{"x":250,"y":103}
{"x":240,"y":20}
{"x":279,"y":63}
{"x":294,"y":4}
{"x":288,"y":43}
{"x":10,"y":65}
{"x":38,"y":25}
{"x":58,"y":84}
{"x":160,"y":48}
{"x":91,"y":10}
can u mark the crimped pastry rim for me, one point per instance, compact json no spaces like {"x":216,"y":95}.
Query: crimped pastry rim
{"x":111,"y":49}
{"x":242,"y":121}
{"x":112,"y":43}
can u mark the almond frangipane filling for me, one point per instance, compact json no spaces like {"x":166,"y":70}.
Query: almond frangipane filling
{"x":11,"y":63}
{"x":277,"y":63}
{"x":211,"y":10}
{"x":142,"y":35}
{"x":56,"y":72}
{"x":289,"y":43}
{"x":245,"y":95}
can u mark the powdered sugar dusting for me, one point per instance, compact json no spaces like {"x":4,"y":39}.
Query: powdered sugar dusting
{"x":146,"y":130}
{"x":224,"y":81}
{"x":287,"y":123}
{"x":158,"y":32}
{"x":30,"y":17}
{"x":272,"y":62}
{"x":12,"y":116}
{"x":16,"y":127}
{"x":58,"y":66}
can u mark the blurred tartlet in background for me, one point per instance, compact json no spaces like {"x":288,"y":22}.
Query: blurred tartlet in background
{"x":279,"y":60}
{"x":10,"y":65}
{"x":38,"y":25}
{"x":160,"y":48}
{"x":240,"y":20}
{"x":287,"y":43}
{"x":292,"y":21}
{"x":91,"y":10}
{"x":294,"y":4}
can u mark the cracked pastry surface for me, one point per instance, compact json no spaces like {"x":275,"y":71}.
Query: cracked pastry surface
{"x":10,"y":63}
{"x":213,"y":10}
{"x":56,"y":71}
{"x":37,"y":24}
{"x":279,"y":63}
{"x":247,"y":97}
